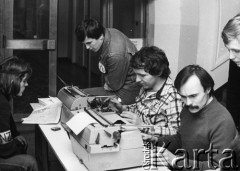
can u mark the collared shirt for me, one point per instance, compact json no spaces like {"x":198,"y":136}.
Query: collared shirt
{"x":160,"y":109}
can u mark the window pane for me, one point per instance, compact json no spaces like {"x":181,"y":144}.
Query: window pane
{"x":31,"y":21}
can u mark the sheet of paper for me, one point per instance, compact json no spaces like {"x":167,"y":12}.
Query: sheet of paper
{"x":36,"y":105}
{"x":46,"y":101}
{"x":46,"y":114}
{"x":79,"y":121}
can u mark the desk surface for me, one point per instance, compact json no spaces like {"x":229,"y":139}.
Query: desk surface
{"x":62,"y":147}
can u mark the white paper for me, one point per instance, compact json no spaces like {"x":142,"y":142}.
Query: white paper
{"x":79,"y":121}
{"x":46,"y":101}
{"x":36,"y":105}
{"x":47,"y":114}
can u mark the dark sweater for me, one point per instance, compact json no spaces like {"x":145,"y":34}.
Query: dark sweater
{"x":233,"y":92}
{"x":8,"y":145}
{"x":213,"y":125}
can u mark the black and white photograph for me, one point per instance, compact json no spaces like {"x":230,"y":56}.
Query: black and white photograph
{"x":119,"y":85}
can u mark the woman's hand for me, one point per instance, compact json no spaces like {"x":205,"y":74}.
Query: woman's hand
{"x":22,"y":141}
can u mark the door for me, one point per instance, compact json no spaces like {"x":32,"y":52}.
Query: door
{"x":28,"y":29}
{"x":128,"y":16}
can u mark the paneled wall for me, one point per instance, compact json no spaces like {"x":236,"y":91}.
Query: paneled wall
{"x":189,"y":32}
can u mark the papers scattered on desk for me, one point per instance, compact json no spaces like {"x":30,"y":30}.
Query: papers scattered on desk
{"x":36,"y":105}
{"x":47,"y":111}
{"x":78,"y":122}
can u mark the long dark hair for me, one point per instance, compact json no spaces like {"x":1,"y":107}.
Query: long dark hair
{"x":12,"y":71}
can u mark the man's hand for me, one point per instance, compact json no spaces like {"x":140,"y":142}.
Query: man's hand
{"x":107,"y":88}
{"x":166,"y":157}
{"x":115,"y":105}
{"x":148,"y":137}
{"x":132,"y":118}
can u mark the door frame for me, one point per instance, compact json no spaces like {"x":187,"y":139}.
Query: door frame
{"x":8,"y":43}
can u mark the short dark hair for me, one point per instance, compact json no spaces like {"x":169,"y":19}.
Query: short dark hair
{"x":90,"y":28}
{"x":231,"y":30}
{"x":204,"y":77}
{"x":12,"y":71}
{"x":153,"y":60}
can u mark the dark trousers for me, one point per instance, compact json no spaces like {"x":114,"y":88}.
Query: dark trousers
{"x":21,"y":162}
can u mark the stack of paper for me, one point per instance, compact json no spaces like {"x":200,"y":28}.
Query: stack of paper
{"x":47,"y":111}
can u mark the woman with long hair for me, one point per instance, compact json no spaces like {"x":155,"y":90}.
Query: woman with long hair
{"x":14,"y":74}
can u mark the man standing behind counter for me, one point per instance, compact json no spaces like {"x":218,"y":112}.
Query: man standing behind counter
{"x":115,"y":51}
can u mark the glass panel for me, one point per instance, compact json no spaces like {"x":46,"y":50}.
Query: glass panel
{"x":129,"y":16}
{"x":31,"y":21}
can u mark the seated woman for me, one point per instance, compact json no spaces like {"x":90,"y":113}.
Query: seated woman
{"x":14,"y":74}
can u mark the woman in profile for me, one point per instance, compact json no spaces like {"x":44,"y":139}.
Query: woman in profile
{"x":14,"y":74}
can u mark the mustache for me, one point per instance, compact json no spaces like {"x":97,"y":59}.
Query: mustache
{"x":191,"y":107}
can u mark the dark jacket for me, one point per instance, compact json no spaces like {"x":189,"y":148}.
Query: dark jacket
{"x":8,"y":131}
{"x":116,"y":53}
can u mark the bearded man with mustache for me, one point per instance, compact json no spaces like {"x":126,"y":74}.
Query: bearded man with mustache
{"x":206,"y":128}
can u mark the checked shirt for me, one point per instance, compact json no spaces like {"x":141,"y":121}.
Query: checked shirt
{"x":162,"y":110}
